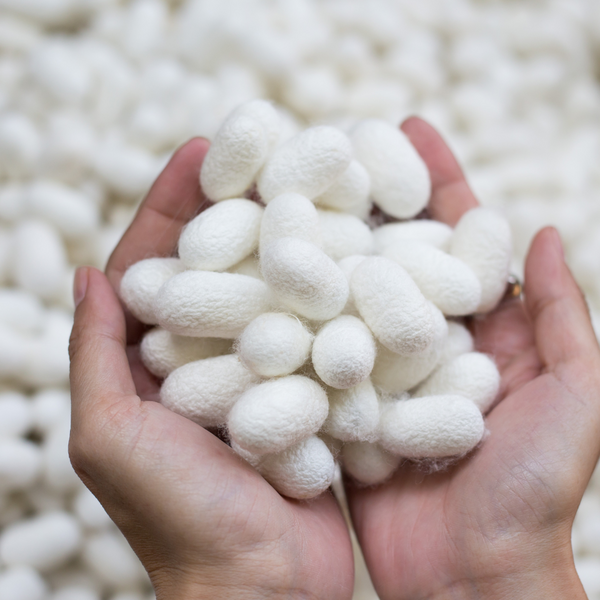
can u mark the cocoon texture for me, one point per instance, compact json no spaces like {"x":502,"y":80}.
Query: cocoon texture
{"x":431,"y":427}
{"x":205,"y":390}
{"x":353,"y":413}
{"x":350,"y":192}
{"x":162,"y":351}
{"x":472,"y":375}
{"x":344,"y":235}
{"x":221,"y":236}
{"x":392,"y":306}
{"x":395,"y":373}
{"x":368,"y":462}
{"x":235,"y":156}
{"x":347,"y":265}
{"x":141,"y":283}
{"x":445,"y":280}
{"x":266,"y":114}
{"x":482,"y":240}
{"x":274,"y":344}
{"x":422,"y":230}
{"x":307,"y":164}
{"x":400,"y":183}
{"x":44,"y":542}
{"x":207,"y":304}
{"x":459,"y":341}
{"x":302,"y":471}
{"x":290,"y":215}
{"x":343,"y":352}
{"x":272,"y":416}
{"x":304,"y":278}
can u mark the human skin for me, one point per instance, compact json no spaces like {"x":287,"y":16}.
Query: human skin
{"x":202,"y":521}
{"x":205,"y":524}
{"x":498,"y":523}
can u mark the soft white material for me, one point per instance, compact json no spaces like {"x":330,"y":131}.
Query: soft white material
{"x":400,"y":183}
{"x":274,"y":344}
{"x":350,"y":192}
{"x":304,"y":278}
{"x":290,"y":215}
{"x":207,"y":304}
{"x":44,"y":542}
{"x":445,"y":280}
{"x":344,"y":235}
{"x":276,"y":414}
{"x":392,"y":306}
{"x":368,"y":462}
{"x":472,"y":375}
{"x":431,"y":427}
{"x":395,"y":373}
{"x":347,"y":265}
{"x":22,"y":583}
{"x":20,"y":463}
{"x":249,"y":266}
{"x":162,"y":351}
{"x":482,"y":240}
{"x":57,"y":472}
{"x":353,"y":413}
{"x":21,"y":310}
{"x":89,"y":511}
{"x":16,"y":415}
{"x":459,"y":341}
{"x":141,"y":283}
{"x":235,"y":156}
{"x":221,"y":236}
{"x":306,"y":164}
{"x":50,"y":407}
{"x":302,"y":471}
{"x":343,"y":352}
{"x":110,"y":558}
{"x":422,"y":230}
{"x":266,"y":114}
{"x":205,"y":390}
{"x":39,"y":259}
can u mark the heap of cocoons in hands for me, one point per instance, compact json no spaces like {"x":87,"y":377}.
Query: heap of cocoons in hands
{"x":308,"y":334}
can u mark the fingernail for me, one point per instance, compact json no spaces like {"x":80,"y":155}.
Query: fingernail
{"x":80,"y":284}
{"x":558,"y":243}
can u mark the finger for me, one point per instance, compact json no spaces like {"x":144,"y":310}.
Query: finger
{"x":100,"y":375}
{"x":562,"y":326}
{"x":451,"y":195}
{"x":173,"y":200}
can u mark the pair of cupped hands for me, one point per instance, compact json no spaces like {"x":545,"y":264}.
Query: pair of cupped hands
{"x":205,"y":524}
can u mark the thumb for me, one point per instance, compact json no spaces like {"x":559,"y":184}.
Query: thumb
{"x":101,"y":380}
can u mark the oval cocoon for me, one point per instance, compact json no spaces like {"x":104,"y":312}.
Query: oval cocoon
{"x":392,"y":306}
{"x":353,"y":413}
{"x":472,"y":375}
{"x":368,"y":463}
{"x":431,"y":427}
{"x":274,"y":344}
{"x":162,"y":351}
{"x":238,"y":151}
{"x":205,"y":390}
{"x":221,"y":236}
{"x":306,"y":164}
{"x":459,"y":341}
{"x":344,"y":235}
{"x":290,"y":215}
{"x":302,"y":471}
{"x":207,"y":304}
{"x":445,"y":280}
{"x":266,"y":114}
{"x":400,"y":183}
{"x":395,"y":373}
{"x":350,"y":192}
{"x":483,"y":241}
{"x":422,"y":230}
{"x":141,"y":283}
{"x":272,"y":416}
{"x":304,"y":278}
{"x":343,"y":352}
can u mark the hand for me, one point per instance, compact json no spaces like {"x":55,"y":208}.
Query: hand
{"x":202,"y":521}
{"x":498,"y":524}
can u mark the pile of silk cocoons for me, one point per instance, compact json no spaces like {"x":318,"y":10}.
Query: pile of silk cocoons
{"x":310,"y":330}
